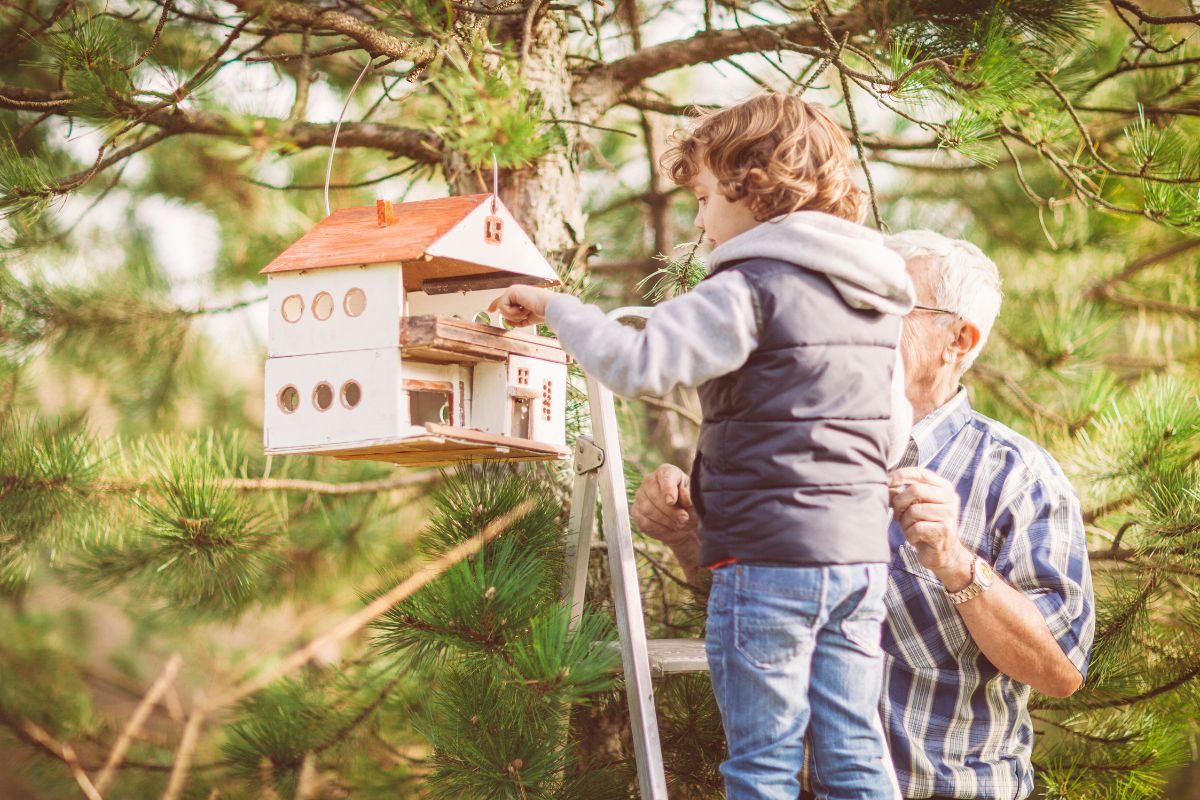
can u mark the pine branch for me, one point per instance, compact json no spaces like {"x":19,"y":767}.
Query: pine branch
{"x":377,"y":607}
{"x":1103,"y":287}
{"x":1152,"y":19}
{"x":133,"y":727}
{"x":375,"y":41}
{"x":62,"y":751}
{"x":162,"y":22}
{"x":600,"y":87}
{"x":186,"y":752}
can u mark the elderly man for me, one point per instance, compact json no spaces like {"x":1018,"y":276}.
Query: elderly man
{"x":989,"y":591}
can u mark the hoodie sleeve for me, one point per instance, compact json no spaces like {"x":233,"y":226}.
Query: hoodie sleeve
{"x":693,"y":338}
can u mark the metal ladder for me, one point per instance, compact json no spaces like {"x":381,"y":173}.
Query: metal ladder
{"x":599,"y":465}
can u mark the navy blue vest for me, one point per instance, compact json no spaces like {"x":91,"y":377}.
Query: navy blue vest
{"x":792,"y":462}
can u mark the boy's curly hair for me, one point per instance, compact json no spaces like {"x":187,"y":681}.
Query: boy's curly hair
{"x":778,"y":152}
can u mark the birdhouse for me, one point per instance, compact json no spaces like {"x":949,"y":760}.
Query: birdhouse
{"x":380,"y":345}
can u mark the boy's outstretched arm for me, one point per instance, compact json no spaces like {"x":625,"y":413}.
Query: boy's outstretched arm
{"x":698,"y":336}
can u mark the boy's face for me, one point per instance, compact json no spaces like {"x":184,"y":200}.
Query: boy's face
{"x":719,"y":218}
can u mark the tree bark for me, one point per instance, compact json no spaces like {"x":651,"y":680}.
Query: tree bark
{"x":544,"y":196}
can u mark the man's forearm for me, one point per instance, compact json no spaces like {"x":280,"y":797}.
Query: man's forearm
{"x":1013,"y":635}
{"x":687,"y":553}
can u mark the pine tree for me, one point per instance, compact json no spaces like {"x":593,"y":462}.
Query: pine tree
{"x":139,"y":519}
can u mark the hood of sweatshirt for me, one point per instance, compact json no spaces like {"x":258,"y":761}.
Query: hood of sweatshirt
{"x":864,"y":271}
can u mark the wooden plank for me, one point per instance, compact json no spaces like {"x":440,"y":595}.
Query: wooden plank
{"x":413,"y":385}
{"x":677,"y":655}
{"x":433,"y":355}
{"x":450,"y":432}
{"x":471,"y":338}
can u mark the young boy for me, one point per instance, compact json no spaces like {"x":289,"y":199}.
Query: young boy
{"x":792,"y":341}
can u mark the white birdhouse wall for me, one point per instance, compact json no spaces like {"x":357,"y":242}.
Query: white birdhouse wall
{"x":330,"y":398}
{"x":360,"y":396}
{"x":536,"y":392}
{"x":329,"y":310}
{"x":468,"y":242}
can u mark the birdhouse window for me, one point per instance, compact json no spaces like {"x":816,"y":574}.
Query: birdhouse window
{"x":355,"y":302}
{"x":522,"y":376}
{"x":351,"y":394}
{"x":483,"y":318}
{"x":520,"y":417}
{"x":323,"y":396}
{"x":322,"y":306}
{"x":293,"y":308}
{"x":430,"y":401}
{"x":493,"y":230}
{"x":288,"y":399}
{"x":547,"y":401}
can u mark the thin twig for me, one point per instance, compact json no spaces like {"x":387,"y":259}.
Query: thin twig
{"x":64,"y":751}
{"x":162,"y":21}
{"x":186,"y":752}
{"x":140,"y":714}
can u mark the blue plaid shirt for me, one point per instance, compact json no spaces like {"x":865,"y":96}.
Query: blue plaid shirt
{"x":957,"y":726}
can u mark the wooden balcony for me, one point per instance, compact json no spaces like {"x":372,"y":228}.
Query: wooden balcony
{"x":448,"y":340}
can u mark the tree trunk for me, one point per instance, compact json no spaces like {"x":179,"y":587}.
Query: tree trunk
{"x":544,"y":196}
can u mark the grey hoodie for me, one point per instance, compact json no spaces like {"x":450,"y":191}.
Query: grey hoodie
{"x":712,"y":330}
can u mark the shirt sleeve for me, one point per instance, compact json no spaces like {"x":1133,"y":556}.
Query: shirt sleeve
{"x":1044,"y":555}
{"x":703,"y":334}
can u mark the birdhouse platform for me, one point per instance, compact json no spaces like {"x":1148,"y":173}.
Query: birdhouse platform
{"x":380,"y":345}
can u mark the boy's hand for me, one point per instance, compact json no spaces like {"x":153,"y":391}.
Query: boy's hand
{"x":522,"y":305}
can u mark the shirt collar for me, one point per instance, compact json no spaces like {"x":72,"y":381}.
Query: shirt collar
{"x":930,"y":433}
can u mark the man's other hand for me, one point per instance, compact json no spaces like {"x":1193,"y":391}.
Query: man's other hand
{"x":662,"y":507}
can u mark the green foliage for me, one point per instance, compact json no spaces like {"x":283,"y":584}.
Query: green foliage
{"x":488,"y":112}
{"x":200,"y":548}
{"x":675,"y":276}
{"x":509,"y":663}
{"x":46,"y":469}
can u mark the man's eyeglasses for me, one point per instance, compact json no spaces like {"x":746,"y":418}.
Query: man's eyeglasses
{"x":935,"y":310}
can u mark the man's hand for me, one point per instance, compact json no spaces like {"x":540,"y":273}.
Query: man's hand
{"x":926,"y":506}
{"x":662,"y":507}
{"x":522,"y":305}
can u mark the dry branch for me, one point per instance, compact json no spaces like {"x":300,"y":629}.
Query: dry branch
{"x":121,"y":748}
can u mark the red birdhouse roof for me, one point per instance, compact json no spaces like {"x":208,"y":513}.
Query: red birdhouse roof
{"x":417,"y":232}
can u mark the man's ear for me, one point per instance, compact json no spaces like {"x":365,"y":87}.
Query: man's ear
{"x":966,"y":336}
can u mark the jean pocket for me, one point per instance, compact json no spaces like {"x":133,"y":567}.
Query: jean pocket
{"x":771,"y":631}
{"x":864,"y":624}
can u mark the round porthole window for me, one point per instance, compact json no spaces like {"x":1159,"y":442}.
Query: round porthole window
{"x":288,"y":399}
{"x":293,"y":308}
{"x":322,"y":306}
{"x":355,"y":302}
{"x":351,"y":394}
{"x":483,"y":318}
{"x":323,"y":396}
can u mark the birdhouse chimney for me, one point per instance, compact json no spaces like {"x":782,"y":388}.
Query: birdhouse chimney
{"x":385,"y":215}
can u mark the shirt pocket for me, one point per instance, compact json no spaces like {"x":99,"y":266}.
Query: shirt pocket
{"x":923,"y":629}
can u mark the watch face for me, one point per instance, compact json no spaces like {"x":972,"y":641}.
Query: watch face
{"x":984,"y":573}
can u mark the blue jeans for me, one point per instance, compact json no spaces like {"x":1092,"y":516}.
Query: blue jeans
{"x":795,"y":649}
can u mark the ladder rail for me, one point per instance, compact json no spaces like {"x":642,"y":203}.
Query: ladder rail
{"x":599,"y":473}
{"x":627,"y":598}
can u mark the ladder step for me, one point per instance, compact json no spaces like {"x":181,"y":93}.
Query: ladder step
{"x":674,"y":655}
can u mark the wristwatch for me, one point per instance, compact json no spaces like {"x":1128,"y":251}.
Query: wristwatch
{"x":982,"y":578}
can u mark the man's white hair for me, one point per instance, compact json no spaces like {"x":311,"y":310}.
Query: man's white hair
{"x":964,"y":280}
